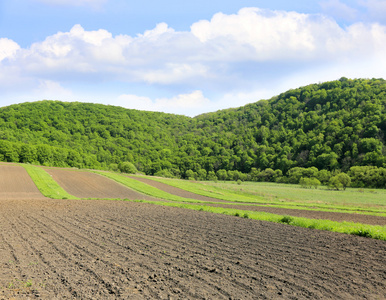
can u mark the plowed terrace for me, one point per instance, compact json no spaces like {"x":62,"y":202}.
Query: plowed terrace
{"x":99,"y":249}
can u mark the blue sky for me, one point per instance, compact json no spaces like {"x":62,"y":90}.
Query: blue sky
{"x":183,"y":57}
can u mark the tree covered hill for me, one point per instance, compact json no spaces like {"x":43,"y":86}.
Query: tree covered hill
{"x":332,"y":126}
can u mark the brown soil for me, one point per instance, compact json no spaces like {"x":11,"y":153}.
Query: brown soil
{"x":339,"y":217}
{"x":90,"y":185}
{"x":79,"y":249}
{"x":15,"y":183}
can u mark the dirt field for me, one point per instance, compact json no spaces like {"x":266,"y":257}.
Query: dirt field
{"x":175,"y":191}
{"x":15,"y":183}
{"x":90,"y":185}
{"x":339,"y":217}
{"x":95,"y":249}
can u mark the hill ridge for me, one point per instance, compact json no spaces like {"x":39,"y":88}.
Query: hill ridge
{"x":332,"y":125}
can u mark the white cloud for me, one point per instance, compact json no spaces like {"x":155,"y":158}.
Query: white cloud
{"x":51,"y":90}
{"x":174,"y":73}
{"x":164,"y":56}
{"x":8,"y":48}
{"x":339,"y":9}
{"x":263,"y":35}
{"x":250,"y":51}
{"x":158,"y":31}
{"x":189,"y":104}
{"x":376,"y":8}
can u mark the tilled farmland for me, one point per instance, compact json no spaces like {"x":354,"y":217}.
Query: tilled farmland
{"x":96,"y":249}
{"x":91,"y":185}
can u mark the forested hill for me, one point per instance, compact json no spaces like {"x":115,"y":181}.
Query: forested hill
{"x":333,"y":126}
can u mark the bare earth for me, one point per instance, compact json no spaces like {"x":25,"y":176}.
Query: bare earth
{"x":90,"y":185}
{"x":333,"y":216}
{"x":15,"y":183}
{"x":96,"y":249}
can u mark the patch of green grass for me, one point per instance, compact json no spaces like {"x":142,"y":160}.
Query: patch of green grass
{"x":292,"y":193}
{"x":364,"y":230}
{"x":311,"y":207}
{"x":286,"y":196}
{"x":46,"y":185}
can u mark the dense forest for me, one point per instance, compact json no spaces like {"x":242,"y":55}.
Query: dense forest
{"x":334,"y":127}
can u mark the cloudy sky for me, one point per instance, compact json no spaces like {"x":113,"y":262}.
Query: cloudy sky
{"x":184,"y":57}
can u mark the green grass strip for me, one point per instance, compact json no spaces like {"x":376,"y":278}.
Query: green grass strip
{"x":46,"y":185}
{"x":365,"y":230}
{"x":331,"y":208}
{"x":145,"y":188}
{"x":208,"y":191}
{"x":223,"y":194}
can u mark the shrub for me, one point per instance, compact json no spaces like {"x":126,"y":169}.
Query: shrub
{"x":286,"y":219}
{"x":342,"y":180}
{"x":164,"y":173}
{"x":334,"y":183}
{"x":309,"y":182}
{"x":212,"y":176}
{"x":127,"y":167}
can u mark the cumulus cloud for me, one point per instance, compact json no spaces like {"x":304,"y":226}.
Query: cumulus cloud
{"x":375,"y":8}
{"x":263,"y":35}
{"x":339,"y":9}
{"x":225,"y":55}
{"x":164,"y":56}
{"x":189,"y":104}
{"x":48,"y":89}
{"x":8,"y":48}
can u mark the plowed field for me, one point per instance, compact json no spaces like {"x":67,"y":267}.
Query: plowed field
{"x":90,"y":185}
{"x":15,"y":183}
{"x":87,"y":249}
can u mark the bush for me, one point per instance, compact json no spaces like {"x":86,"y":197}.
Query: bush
{"x":342,"y":180}
{"x":309,"y":182}
{"x":286,"y":219}
{"x":113,"y":167}
{"x":127,"y":167}
{"x":165,"y":173}
{"x":212,"y":176}
{"x":191,"y":175}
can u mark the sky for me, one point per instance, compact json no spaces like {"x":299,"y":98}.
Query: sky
{"x":184,"y":57}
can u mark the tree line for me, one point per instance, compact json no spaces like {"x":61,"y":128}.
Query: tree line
{"x":332,"y":126}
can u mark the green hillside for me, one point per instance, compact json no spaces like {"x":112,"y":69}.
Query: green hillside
{"x":331,"y":126}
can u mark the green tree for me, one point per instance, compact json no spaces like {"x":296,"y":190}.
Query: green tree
{"x":222,"y":174}
{"x":342,"y":180}
{"x":212,"y":176}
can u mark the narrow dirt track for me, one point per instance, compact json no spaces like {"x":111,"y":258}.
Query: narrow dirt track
{"x":84,"y":184}
{"x":79,"y":249}
{"x":175,"y":191}
{"x":324,"y":215}
{"x":15,"y":183}
{"x":333,"y":216}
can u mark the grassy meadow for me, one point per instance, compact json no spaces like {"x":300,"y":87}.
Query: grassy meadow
{"x":352,"y":200}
